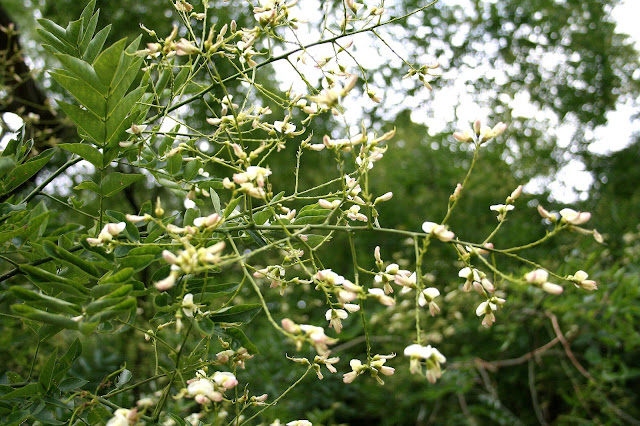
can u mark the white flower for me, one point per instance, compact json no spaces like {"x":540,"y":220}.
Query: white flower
{"x":430,"y":356}
{"x":580,"y":280}
{"x":378,"y":294}
{"x":121,"y":418}
{"x":439,"y":231}
{"x":354,"y":214}
{"x":538,"y":276}
{"x":300,"y":423}
{"x":426,"y":297}
{"x":573,"y":217}
{"x":225,"y":380}
{"x":487,"y":308}
{"x":329,"y":277}
{"x":335,"y":317}
{"x":203,"y":391}
{"x":356,"y":369}
{"x":502,"y":210}
{"x":285,"y":128}
{"x":188,"y":307}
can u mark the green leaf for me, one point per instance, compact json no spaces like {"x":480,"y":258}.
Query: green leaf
{"x":85,"y":151}
{"x":174,"y":164}
{"x":54,"y":42}
{"x":103,"y":304}
{"x":125,"y":81}
{"x":49,"y":302}
{"x":238,"y":313}
{"x":72,"y":383}
{"x":231,"y":206}
{"x":215,"y":199}
{"x":41,"y":275}
{"x":310,"y":220}
{"x":124,"y":378}
{"x":119,"y":277}
{"x":104,"y":289}
{"x":95,"y":45}
{"x":74,"y":32}
{"x":82,"y":70}
{"x":32,"y":389}
{"x":6,"y":164}
{"x":90,"y":27}
{"x":56,"y":30}
{"x":90,"y":185}
{"x":116,"y":182}
{"x":83,"y":92}
{"x":62,"y":254}
{"x":87,"y":121}
{"x":46,"y":375}
{"x":238,"y":335}
{"x":117,"y":123}
{"x":262,"y":216}
{"x":46,"y":317}
{"x":189,"y":216}
{"x":74,"y":351}
{"x":107,"y":62}
{"x":191,"y":169}
{"x":22,"y":173}
{"x":138,"y":263}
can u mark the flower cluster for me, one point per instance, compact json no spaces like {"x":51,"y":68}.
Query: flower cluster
{"x":251,"y":181}
{"x":188,"y":260}
{"x":480,"y":134}
{"x":123,"y":417}
{"x":205,"y":389}
{"x":375,"y":367}
{"x":105,"y":236}
{"x":441,"y":232}
{"x":315,"y":335}
{"x":487,"y":308}
{"x":475,"y":279}
{"x":580,"y":280}
{"x":430,"y":356}
{"x":540,"y":277}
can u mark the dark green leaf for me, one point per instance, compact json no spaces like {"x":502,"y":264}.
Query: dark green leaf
{"x":56,"y":30}
{"x":54,"y":43}
{"x":72,"y":383}
{"x":62,"y":254}
{"x":95,"y":45}
{"x":51,"y":303}
{"x":32,"y":389}
{"x":138,"y":263}
{"x":22,"y":173}
{"x":174,"y":164}
{"x":85,"y":151}
{"x":124,"y":378}
{"x":107,"y":62}
{"x":119,"y":277}
{"x":83,"y":92}
{"x":46,"y":317}
{"x":116,"y":182}
{"x":74,"y":32}
{"x":117,"y":122}
{"x":87,"y":121}
{"x":231,"y":206}
{"x":238,"y":313}
{"x":90,"y":185}
{"x":47,"y":371}
{"x":82,"y":70}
